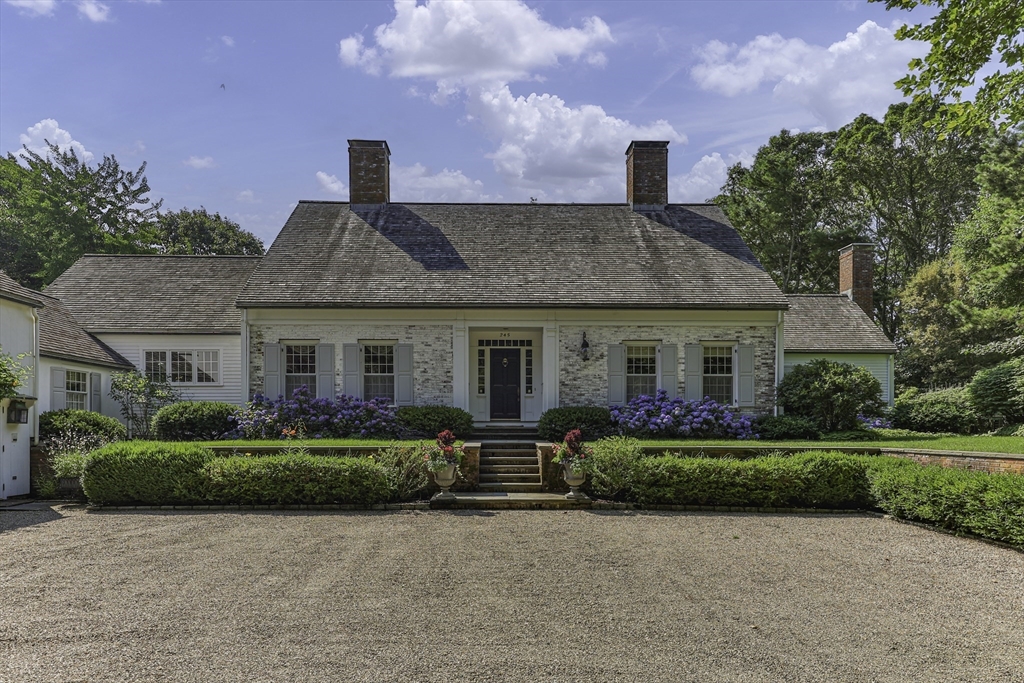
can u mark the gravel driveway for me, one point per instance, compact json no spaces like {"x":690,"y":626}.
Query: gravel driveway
{"x":501,"y":596}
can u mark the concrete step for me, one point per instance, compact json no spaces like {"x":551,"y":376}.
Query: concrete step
{"x":501,"y":470}
{"x":521,"y":487}
{"x":521,"y":462}
{"x":509,"y":478}
{"x":513,"y":452}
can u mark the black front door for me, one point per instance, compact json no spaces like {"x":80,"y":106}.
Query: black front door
{"x":505,"y":384}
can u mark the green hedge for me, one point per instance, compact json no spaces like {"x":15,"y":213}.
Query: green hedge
{"x":429,"y":421}
{"x":85,"y":422}
{"x":981,"y":503}
{"x":781,"y":427}
{"x":945,"y":410}
{"x":148,"y":473}
{"x":295,"y":479}
{"x":595,"y":423}
{"x":1000,"y":390}
{"x":194,"y":421}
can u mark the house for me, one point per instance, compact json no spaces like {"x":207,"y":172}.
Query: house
{"x":19,"y":338}
{"x":838,"y":327}
{"x":170,"y":317}
{"x":507,"y":310}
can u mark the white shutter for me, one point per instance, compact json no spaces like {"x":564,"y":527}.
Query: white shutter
{"x":746,"y":375}
{"x":95,"y":391}
{"x":58,"y":388}
{"x":273,"y":373}
{"x":351,"y":362}
{"x":325,"y":371}
{"x":670,"y":369}
{"x":616,"y":374}
{"x":403,"y":375}
{"x":693,"y":359}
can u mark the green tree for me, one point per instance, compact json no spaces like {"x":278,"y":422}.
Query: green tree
{"x":964,"y":34}
{"x":197,"y":231}
{"x":140,"y":398}
{"x":56,"y":207}
{"x":791,"y":211}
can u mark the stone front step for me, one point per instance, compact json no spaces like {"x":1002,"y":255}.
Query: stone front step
{"x":501,"y":470}
{"x":509,"y":465}
{"x":521,"y":487}
{"x":509,"y":478}
{"x":523,"y":461}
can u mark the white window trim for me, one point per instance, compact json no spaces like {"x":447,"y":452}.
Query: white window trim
{"x":704,"y":344}
{"x":393,"y":343}
{"x":193,"y":351}
{"x":68,"y":392}
{"x":284,"y":344}
{"x":657,"y":363}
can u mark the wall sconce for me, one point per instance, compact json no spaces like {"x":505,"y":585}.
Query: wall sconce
{"x":17,"y":413}
{"x":585,"y":348}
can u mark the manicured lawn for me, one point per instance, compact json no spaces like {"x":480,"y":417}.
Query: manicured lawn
{"x":990,"y":444}
{"x":318,"y":443}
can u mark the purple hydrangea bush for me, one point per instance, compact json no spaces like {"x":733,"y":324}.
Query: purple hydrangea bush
{"x":664,"y":417}
{"x":869,"y":422}
{"x":315,"y":418}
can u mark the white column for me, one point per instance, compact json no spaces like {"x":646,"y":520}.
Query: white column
{"x":549,"y":359}
{"x":460,"y":364}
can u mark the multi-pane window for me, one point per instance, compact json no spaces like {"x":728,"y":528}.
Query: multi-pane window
{"x":299,"y":368}
{"x":718,"y":373}
{"x":76,"y":390}
{"x":529,"y":371}
{"x":183,"y":366}
{"x":641,"y":371}
{"x":379,"y":371}
{"x":481,"y":371}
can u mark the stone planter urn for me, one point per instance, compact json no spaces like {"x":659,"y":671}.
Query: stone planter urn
{"x":575,"y":481}
{"x":444,"y":478}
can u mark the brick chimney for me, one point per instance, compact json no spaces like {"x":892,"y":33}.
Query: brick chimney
{"x":647,"y":175}
{"x":369,"y":175}
{"x":856,"y":275}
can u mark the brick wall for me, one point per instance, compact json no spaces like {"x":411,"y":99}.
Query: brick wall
{"x":647,"y":173}
{"x":983,"y":462}
{"x":585,"y":382}
{"x":856,"y":275}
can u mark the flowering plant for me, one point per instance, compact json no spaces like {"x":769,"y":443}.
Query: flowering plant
{"x":660,"y":415}
{"x":573,"y":454}
{"x":878,"y":422}
{"x":320,"y":418}
{"x":444,"y":453}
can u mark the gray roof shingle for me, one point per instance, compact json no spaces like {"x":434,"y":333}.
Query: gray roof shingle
{"x":154,"y":294}
{"x":60,"y":336}
{"x":12,"y":291}
{"x":831,"y":323}
{"x":509,"y":256}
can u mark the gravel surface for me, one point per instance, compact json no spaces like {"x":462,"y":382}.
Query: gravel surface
{"x":501,"y":596}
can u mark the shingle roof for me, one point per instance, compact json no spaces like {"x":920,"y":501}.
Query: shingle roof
{"x":831,"y":323}
{"x":12,"y":291}
{"x":509,"y":256}
{"x":60,"y":336}
{"x":153,"y":294}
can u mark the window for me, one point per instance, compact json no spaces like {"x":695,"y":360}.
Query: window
{"x":718,"y":373}
{"x":641,"y":371}
{"x":76,"y":388}
{"x":183,"y":366}
{"x":299,"y":368}
{"x":379,"y":371}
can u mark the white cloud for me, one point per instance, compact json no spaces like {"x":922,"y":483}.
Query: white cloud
{"x":246,"y":197}
{"x":199,"y":162}
{"x":705,"y":178}
{"x":34,"y":8}
{"x":544,"y":142}
{"x":36,"y":136}
{"x":834,"y":83}
{"x":417,"y":184}
{"x":330,"y":183}
{"x":228,"y":40}
{"x":94,"y":10}
{"x":461,"y":43}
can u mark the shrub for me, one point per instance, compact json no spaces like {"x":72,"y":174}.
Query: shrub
{"x":318,"y":418}
{"x":431,"y":420}
{"x":946,"y":410}
{"x":829,"y":393}
{"x":780,"y":427}
{"x":661,"y":416}
{"x":859,"y":434}
{"x":1000,"y":390}
{"x":989,"y":505}
{"x":83,"y":422}
{"x":295,"y":479}
{"x":806,"y":480}
{"x":593,"y":422}
{"x":140,"y":397}
{"x":405,"y":469}
{"x":613,"y":462}
{"x":194,"y":421}
{"x":150,"y":473}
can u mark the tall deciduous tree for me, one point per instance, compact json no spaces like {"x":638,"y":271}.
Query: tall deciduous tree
{"x":55,"y":208}
{"x":791,"y":211}
{"x":197,"y":231}
{"x":964,"y":34}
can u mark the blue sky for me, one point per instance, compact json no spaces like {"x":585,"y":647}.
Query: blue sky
{"x":245,"y":107}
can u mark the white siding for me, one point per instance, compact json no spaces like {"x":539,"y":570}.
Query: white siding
{"x":107,"y":405}
{"x":134,"y":346}
{"x":878,"y":364}
{"x":18,"y":334}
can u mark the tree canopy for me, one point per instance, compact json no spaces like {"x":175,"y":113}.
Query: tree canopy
{"x":197,"y":231}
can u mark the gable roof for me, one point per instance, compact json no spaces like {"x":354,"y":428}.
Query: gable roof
{"x":60,"y":336}
{"x":155,"y":294}
{"x":831,"y":323}
{"x":509,"y":256}
{"x":12,"y":291}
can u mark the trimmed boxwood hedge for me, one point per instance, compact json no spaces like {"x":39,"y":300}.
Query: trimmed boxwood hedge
{"x":195,"y":421}
{"x":84,"y":422}
{"x":594,"y":422}
{"x":295,"y":479}
{"x":146,"y":472}
{"x":429,"y":421}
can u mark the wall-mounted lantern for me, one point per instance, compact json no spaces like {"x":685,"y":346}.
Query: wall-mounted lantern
{"x":585,"y":348}
{"x":17,"y":413}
